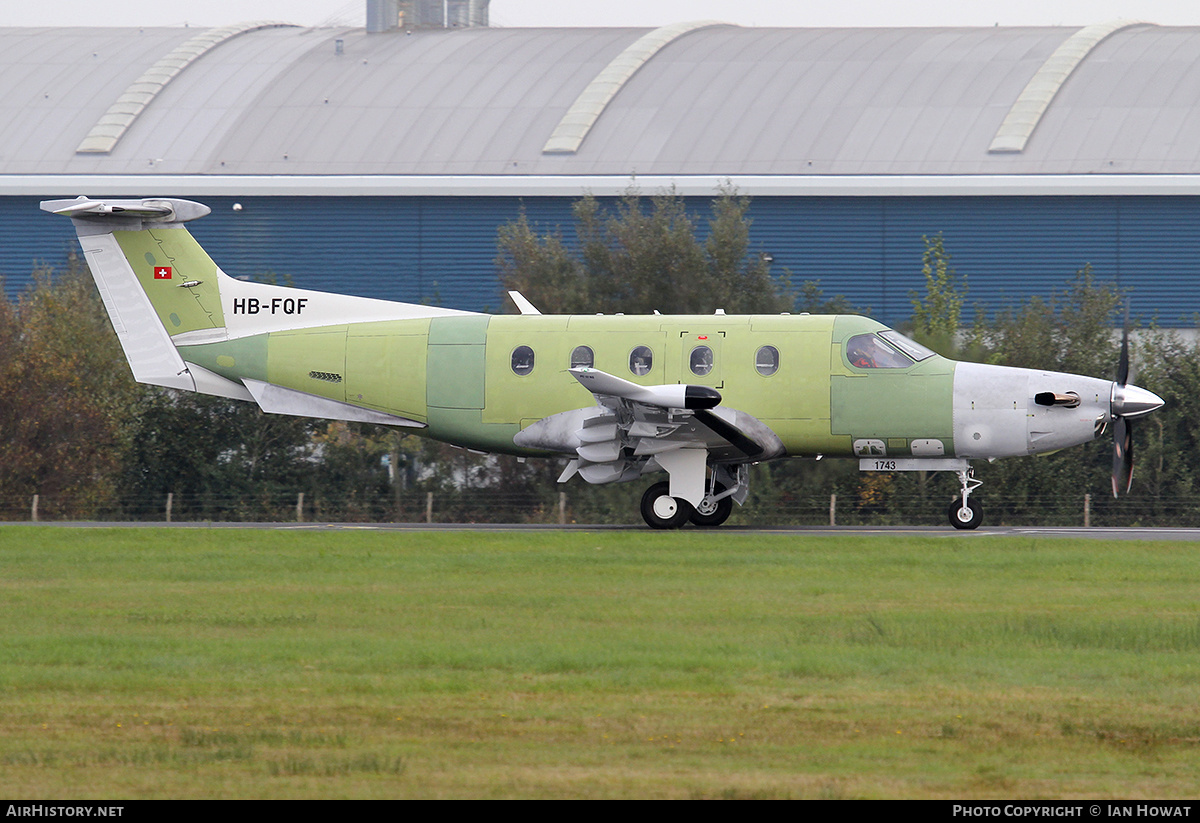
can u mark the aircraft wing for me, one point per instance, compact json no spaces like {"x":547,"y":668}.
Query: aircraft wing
{"x":636,"y":429}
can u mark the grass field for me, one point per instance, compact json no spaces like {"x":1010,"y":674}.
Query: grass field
{"x":230,"y":663}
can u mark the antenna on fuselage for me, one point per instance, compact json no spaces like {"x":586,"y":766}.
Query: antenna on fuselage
{"x":524,"y":305}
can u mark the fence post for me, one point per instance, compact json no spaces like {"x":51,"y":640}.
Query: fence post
{"x":300,"y":507}
{"x":562,"y":508}
{"x":33,"y":512}
{"x":833,"y":509}
{"x":1087,"y":511}
{"x":429,"y":507}
{"x":170,"y":500}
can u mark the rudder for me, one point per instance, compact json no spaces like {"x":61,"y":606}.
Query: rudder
{"x":179,"y":278}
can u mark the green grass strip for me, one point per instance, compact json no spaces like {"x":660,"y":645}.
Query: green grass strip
{"x":358,"y":663}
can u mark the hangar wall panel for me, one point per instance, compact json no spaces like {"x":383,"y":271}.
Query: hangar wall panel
{"x":442,"y":250}
{"x":1160,"y":257}
{"x":1008,"y":248}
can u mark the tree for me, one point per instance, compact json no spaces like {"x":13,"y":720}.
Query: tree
{"x":741,"y":281}
{"x":639,"y":257}
{"x":221,"y":458}
{"x":812,"y":300}
{"x":65,"y":393}
{"x":1071,"y":331}
{"x":542,"y":268}
{"x":937,"y":316}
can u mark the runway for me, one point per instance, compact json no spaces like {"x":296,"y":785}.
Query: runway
{"x":1094,"y":533}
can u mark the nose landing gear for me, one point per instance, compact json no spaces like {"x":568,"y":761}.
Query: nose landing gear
{"x":967,"y":513}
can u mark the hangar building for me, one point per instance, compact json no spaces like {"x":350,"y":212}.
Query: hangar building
{"x":381,"y":161}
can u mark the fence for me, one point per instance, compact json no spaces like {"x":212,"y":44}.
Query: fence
{"x":413,"y":507}
{"x":581,"y":505}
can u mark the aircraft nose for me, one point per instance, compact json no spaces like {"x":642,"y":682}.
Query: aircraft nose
{"x":1133,"y":401}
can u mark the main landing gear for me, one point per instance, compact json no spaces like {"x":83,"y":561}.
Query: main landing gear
{"x":966,"y":513}
{"x":661,"y":511}
{"x":714,"y":509}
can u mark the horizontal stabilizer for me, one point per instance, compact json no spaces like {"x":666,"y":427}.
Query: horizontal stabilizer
{"x":160,"y":209}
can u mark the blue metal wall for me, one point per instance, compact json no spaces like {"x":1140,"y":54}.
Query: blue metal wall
{"x":442,"y":250}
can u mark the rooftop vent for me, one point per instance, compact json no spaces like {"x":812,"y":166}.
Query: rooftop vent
{"x":389,"y":15}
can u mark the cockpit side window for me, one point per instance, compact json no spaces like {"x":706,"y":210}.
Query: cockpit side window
{"x":867,"y":351}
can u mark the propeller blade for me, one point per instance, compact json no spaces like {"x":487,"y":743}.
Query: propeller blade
{"x":1123,"y":364}
{"x":1122,"y":473}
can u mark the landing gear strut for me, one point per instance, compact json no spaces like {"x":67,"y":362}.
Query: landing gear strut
{"x":966,"y":513}
{"x":724,"y":486}
{"x":715,"y":508}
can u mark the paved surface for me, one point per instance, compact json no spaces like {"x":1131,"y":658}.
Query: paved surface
{"x":1183,"y":535}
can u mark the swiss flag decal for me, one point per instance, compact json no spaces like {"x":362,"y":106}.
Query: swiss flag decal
{"x":162,"y":272}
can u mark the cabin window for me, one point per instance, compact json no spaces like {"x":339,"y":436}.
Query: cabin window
{"x":641,"y":360}
{"x":701,"y":360}
{"x":522,"y":360}
{"x":866,"y":351}
{"x":766,"y":361}
{"x":582,"y":357}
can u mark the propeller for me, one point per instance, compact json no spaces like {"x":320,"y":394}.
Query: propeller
{"x":1122,"y":472}
{"x":1127,"y":402}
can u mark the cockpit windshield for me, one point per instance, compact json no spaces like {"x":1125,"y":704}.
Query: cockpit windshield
{"x":910,"y":347}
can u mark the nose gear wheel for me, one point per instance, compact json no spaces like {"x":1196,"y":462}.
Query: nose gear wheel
{"x":965,"y":517}
{"x":966,"y":513}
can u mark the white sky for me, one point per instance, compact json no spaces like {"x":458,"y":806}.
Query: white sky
{"x":516,"y":13}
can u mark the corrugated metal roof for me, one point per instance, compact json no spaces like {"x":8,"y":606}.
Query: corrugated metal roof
{"x":122,"y":114}
{"x":713,"y":101}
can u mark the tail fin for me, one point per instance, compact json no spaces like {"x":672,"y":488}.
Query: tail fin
{"x":161,"y":289}
{"x":137,"y":278}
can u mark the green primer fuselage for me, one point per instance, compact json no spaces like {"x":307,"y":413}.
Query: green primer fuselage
{"x":456,"y":374}
{"x":623,"y":396}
